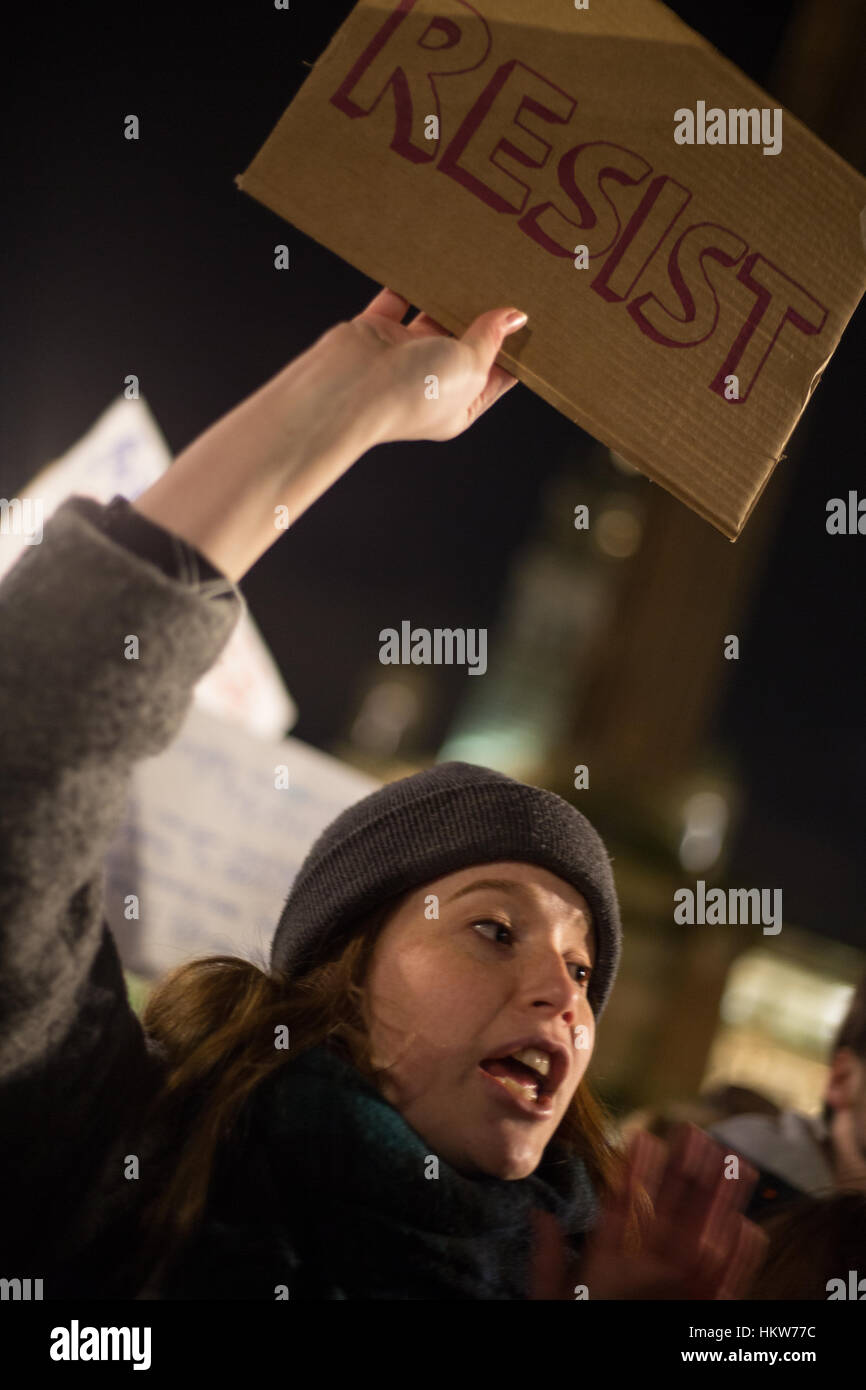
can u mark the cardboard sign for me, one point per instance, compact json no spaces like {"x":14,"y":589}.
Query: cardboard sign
{"x":688,"y":253}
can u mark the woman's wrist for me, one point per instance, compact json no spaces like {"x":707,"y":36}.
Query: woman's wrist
{"x":366,"y":381}
{"x":238,"y":486}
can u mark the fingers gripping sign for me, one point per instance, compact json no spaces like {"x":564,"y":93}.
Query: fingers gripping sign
{"x":427,"y":384}
{"x":366,"y":381}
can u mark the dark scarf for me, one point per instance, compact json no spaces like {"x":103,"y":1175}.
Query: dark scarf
{"x":327,"y":1195}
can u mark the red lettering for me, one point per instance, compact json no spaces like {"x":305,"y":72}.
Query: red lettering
{"x":482,"y":173}
{"x":700,"y":305}
{"x":400,"y":56}
{"x":781,"y":300}
{"x":499,"y":138}
{"x":601,"y":219}
{"x":657,"y":212}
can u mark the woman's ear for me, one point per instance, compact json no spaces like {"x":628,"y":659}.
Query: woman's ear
{"x":845,"y":1079}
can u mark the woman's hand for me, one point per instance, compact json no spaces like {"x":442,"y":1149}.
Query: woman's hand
{"x":695,"y":1243}
{"x":237,"y":487}
{"x":419,"y":381}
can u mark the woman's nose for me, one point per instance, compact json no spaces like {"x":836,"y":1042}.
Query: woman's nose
{"x":548,"y":981}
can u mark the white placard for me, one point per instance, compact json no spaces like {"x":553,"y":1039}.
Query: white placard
{"x":210,"y":845}
{"x":124,"y":452}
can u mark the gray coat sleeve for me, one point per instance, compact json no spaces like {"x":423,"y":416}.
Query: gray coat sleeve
{"x":76,"y":713}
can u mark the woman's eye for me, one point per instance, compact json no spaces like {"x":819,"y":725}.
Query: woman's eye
{"x":492,"y":929}
{"x":496,"y":928}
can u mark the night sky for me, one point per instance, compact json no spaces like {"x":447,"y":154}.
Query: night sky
{"x":121,"y":257}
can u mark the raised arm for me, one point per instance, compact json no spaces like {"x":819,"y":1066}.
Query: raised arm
{"x":81,"y":703}
{"x":367,"y":381}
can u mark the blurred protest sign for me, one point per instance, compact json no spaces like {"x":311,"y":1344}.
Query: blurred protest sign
{"x":124,"y":452}
{"x":215,"y":830}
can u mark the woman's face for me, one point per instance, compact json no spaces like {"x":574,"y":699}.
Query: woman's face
{"x":506,"y":962}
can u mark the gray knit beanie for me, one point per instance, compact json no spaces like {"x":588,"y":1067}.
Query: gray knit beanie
{"x":433,"y":823}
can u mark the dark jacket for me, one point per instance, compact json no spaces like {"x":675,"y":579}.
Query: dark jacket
{"x":324,"y":1193}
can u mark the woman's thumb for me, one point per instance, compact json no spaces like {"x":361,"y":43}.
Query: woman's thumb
{"x":486,"y":335}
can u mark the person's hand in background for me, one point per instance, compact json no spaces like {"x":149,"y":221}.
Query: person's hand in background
{"x":694,"y":1243}
{"x":238,"y":486}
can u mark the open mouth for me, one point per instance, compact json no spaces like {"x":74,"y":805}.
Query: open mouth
{"x":526,"y":1075}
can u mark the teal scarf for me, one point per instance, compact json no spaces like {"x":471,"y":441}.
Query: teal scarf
{"x":326,"y":1197}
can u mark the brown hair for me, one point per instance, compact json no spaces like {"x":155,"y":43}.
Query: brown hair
{"x":215,"y":1021}
{"x":812,"y":1240}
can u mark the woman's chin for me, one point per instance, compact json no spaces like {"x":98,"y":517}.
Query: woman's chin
{"x":501,"y":1160}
